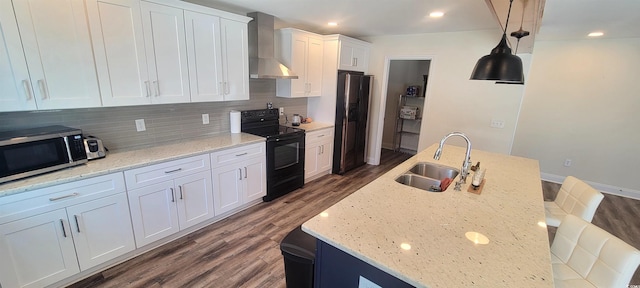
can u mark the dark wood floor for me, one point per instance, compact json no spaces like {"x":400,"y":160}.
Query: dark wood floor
{"x":243,"y":250}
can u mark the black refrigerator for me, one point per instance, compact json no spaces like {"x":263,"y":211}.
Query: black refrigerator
{"x":352,"y":109}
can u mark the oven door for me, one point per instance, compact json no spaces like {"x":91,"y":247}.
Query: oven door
{"x":285,"y":164}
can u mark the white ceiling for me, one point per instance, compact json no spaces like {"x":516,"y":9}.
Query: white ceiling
{"x":561,"y":19}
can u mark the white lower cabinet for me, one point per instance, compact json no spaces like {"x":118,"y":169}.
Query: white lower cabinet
{"x":239,"y":176}
{"x":172,"y":196}
{"x":318,"y":153}
{"x":50,"y":234}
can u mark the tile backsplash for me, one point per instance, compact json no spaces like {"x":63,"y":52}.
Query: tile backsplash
{"x":164,"y":123}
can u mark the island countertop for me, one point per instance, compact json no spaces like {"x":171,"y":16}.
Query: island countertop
{"x":373,"y":222}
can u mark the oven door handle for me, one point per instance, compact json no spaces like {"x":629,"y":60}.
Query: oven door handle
{"x":286,"y":137}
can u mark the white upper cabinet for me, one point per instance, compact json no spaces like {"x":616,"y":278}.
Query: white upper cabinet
{"x":166,"y":53}
{"x":55,"y":40}
{"x":302,"y":52}
{"x":354,"y":55}
{"x":141,"y":52}
{"x":205,"y":57}
{"x":235,"y":59}
{"x":218,"y":58}
{"x":14,"y":76}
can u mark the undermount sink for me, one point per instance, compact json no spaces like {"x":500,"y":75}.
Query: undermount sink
{"x":435,"y":171}
{"x":427,"y":176}
{"x":417,"y":181}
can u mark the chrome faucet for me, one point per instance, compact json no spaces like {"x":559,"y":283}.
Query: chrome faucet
{"x":465,"y":163}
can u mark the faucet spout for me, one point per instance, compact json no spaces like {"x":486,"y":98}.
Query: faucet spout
{"x":464,"y":171}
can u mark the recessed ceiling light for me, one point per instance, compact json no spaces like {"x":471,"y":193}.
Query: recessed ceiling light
{"x":595,"y":34}
{"x":332,"y":24}
{"x":436,"y":14}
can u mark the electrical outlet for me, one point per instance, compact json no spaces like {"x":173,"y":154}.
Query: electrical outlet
{"x":205,"y":119}
{"x":281,"y":111}
{"x":140,"y":125}
{"x":497,"y":123}
{"x":567,"y":162}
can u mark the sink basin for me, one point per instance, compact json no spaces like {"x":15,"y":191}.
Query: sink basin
{"x":420,"y":182}
{"x":434,"y":171}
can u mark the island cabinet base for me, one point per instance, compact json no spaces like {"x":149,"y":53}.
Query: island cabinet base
{"x":335,"y":268}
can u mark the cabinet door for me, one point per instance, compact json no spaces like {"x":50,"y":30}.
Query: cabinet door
{"x":311,"y":153}
{"x":255,"y":181}
{"x":101,"y":229}
{"x":37,"y":251}
{"x":166,"y":52}
{"x":324,"y":158}
{"x":227,"y":188}
{"x":314,"y":67}
{"x":235,"y":59}
{"x":205,"y":57}
{"x":14,"y":77}
{"x":346,"y":61}
{"x":194,"y":199}
{"x":299,"y":56}
{"x":116,"y":29}
{"x":153,"y":212}
{"x":57,"y":45}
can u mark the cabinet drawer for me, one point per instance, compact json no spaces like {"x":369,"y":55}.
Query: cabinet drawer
{"x":237,"y":154}
{"x":319,"y":135}
{"x":55,"y":197}
{"x":140,"y":177}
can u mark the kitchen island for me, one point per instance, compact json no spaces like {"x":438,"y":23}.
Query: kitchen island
{"x":419,"y":237}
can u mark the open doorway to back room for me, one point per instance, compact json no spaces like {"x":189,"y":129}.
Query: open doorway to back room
{"x":405,"y":103}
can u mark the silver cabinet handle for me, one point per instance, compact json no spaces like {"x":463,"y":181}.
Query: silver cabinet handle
{"x":240,"y":170}
{"x":43,"y":89}
{"x":245,"y":172}
{"x":172,"y":171}
{"x":356,"y":61}
{"x":242,"y":154}
{"x":77,"y":223}
{"x":27,"y":89}
{"x":221,"y":88}
{"x":64,"y":231}
{"x":180,"y":188}
{"x":146,"y":84}
{"x":62,"y":197}
{"x":173,"y":197}
{"x":157,"y":86}
{"x":321,"y":135}
{"x":322,"y":148}
{"x":226,"y":88}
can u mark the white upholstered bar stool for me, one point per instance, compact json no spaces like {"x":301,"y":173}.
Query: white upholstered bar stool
{"x":584,"y":255}
{"x":575,"y":197}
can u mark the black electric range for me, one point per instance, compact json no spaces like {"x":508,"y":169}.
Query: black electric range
{"x":285,"y":150}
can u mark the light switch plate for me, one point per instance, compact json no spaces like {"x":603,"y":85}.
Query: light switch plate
{"x":281,"y":111}
{"x":140,"y":125}
{"x":497,"y":123}
{"x":205,"y":119}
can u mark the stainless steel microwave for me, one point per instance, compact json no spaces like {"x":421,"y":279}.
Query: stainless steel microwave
{"x":29,"y":152}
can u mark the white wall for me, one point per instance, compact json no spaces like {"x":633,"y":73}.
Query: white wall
{"x":582,"y":102}
{"x":454,"y":103}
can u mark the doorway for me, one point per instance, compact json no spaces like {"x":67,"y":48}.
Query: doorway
{"x":407,"y":81}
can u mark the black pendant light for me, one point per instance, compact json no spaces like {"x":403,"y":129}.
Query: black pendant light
{"x":501,"y":64}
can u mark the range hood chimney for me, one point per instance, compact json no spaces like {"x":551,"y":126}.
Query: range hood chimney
{"x":262,"y":63}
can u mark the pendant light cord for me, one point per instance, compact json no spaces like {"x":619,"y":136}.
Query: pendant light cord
{"x":506,"y":24}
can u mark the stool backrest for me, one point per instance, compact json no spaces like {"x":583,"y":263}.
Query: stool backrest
{"x":598,"y":256}
{"x":578,"y":198}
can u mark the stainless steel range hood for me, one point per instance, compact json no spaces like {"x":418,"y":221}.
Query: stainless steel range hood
{"x":262,"y":62}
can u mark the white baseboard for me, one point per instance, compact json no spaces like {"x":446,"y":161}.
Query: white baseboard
{"x":604,"y":188}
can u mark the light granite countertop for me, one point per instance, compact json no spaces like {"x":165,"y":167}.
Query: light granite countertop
{"x":373,"y":222}
{"x":309,"y":127}
{"x":118,"y":161}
